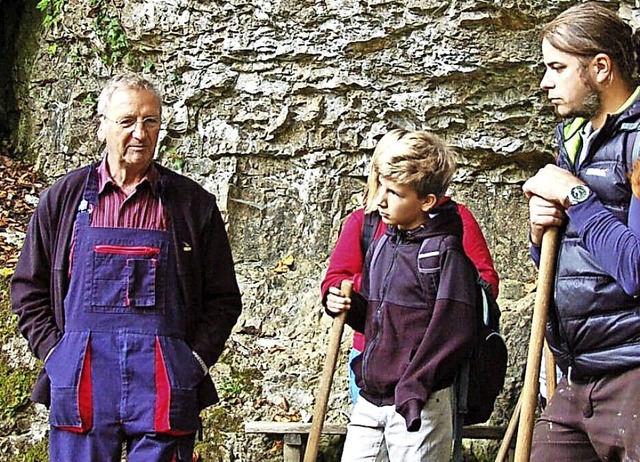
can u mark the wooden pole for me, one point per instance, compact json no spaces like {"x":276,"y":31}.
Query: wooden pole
{"x":512,"y":427}
{"x":536,"y":341}
{"x":320,"y":410}
{"x":550,"y":371}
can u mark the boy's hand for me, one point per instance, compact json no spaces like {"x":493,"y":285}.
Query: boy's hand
{"x":337,"y":302}
{"x":634,"y":178}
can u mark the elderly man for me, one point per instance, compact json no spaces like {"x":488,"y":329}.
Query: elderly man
{"x":126,"y":289}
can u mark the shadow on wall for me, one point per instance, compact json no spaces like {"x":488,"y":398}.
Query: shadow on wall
{"x":13,"y":43}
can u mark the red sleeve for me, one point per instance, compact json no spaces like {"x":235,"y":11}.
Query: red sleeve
{"x":346,"y":259}
{"x":475,"y":246}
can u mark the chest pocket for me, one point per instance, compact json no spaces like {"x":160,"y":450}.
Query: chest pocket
{"x":124,"y":277}
{"x":429,"y":266}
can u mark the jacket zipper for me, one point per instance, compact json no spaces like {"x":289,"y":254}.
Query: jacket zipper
{"x":138,"y":251}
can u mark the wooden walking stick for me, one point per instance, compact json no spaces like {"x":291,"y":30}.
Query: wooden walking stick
{"x":512,"y":428}
{"x":320,"y":409}
{"x":550,"y":371}
{"x":536,"y":341}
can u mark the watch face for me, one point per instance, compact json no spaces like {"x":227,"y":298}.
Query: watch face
{"x":578,"y":194}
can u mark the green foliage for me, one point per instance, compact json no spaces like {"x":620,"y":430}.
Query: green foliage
{"x":217,"y":422}
{"x":172,"y":157}
{"x":237,"y":384}
{"x":230,"y":389}
{"x":110,"y":32}
{"x":39,"y":452}
{"x":106,"y":26}
{"x":51,"y":10}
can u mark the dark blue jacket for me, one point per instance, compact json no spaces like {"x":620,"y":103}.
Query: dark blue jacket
{"x":419,"y":328}
{"x":594,"y":325}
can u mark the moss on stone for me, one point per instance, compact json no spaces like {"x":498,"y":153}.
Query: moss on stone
{"x":217,"y":422}
{"x":38,"y":452}
{"x":15,"y":383}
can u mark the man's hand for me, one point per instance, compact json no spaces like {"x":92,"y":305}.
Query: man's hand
{"x":543,"y":213}
{"x":337,"y":302}
{"x":634,"y":178}
{"x":551,"y":183}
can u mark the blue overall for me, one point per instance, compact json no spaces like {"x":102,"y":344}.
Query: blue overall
{"x":122,"y":372}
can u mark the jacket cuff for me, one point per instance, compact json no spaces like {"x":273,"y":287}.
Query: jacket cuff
{"x":46,"y":347}
{"x":410,"y":410}
{"x":203,"y":365}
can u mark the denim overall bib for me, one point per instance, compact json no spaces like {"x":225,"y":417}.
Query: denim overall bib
{"x":122,"y":370}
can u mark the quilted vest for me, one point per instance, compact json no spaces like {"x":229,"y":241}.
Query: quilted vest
{"x":594,"y":327}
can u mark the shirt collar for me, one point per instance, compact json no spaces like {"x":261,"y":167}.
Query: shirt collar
{"x":629,"y":101}
{"x":152,"y":178}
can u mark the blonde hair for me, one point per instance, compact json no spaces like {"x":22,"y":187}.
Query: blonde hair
{"x":418,"y":159}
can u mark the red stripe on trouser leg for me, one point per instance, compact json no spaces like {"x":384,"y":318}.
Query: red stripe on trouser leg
{"x":85,"y":396}
{"x":163,"y":393}
{"x":162,"y":421}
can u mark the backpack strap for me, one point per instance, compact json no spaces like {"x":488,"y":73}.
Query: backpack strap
{"x":369,"y":227}
{"x":632,"y":143}
{"x":460,"y":391}
{"x":428,"y":265}
{"x":635,"y":148}
{"x":377,"y":247}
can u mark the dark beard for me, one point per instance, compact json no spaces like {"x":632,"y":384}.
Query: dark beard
{"x":591,"y":105}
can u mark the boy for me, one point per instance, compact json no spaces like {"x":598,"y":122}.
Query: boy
{"x":417,"y":334}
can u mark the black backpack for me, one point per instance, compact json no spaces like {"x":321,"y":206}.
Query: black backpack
{"x":481,"y":378}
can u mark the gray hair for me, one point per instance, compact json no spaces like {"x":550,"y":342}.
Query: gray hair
{"x":126,"y":81}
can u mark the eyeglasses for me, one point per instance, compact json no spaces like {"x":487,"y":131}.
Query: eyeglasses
{"x":129,"y":123}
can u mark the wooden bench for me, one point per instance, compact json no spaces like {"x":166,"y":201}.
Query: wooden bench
{"x":295,"y":434}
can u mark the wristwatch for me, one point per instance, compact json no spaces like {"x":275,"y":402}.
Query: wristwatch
{"x":578,"y":194}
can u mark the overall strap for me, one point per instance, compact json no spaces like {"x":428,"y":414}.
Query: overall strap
{"x":89,"y":198}
{"x":90,"y":194}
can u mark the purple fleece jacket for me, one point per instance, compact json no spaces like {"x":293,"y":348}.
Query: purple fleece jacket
{"x":419,"y":328}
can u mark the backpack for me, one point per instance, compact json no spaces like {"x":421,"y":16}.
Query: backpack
{"x":481,"y":380}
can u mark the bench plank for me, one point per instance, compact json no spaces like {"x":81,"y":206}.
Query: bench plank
{"x":476,"y":432}
{"x":283,"y":428}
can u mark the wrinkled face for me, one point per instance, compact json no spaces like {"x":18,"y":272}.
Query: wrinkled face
{"x":568,"y":84}
{"x":400,"y":205}
{"x":130,"y":126}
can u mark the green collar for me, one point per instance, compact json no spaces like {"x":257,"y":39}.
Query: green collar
{"x":570,"y":131}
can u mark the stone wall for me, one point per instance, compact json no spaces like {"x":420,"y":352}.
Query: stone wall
{"x":275,"y":107}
